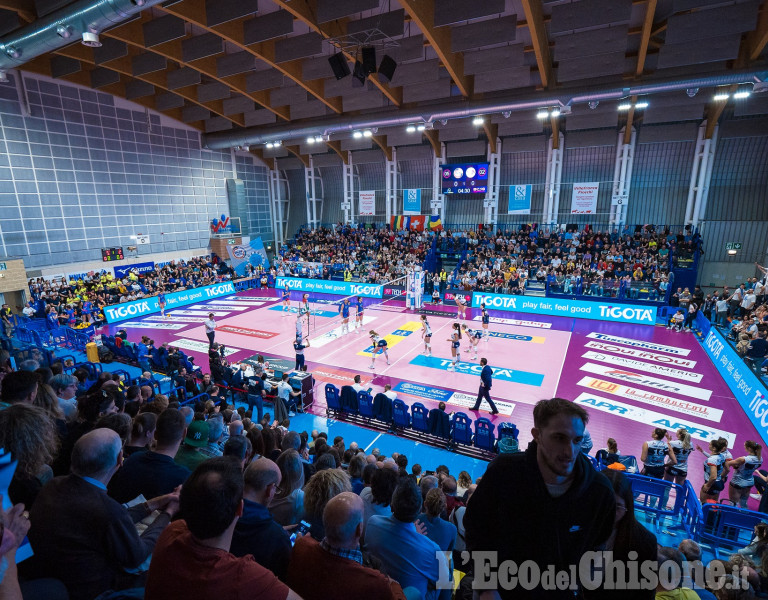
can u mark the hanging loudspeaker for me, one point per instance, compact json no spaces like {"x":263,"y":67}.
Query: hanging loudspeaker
{"x":359,"y":75}
{"x":387,"y":67}
{"x":369,"y":59}
{"x":339,"y":65}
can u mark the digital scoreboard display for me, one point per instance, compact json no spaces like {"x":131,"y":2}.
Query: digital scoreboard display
{"x":110,"y":254}
{"x":464,"y":178}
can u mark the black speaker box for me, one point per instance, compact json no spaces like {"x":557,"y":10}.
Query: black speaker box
{"x":387,"y":67}
{"x":339,"y":65}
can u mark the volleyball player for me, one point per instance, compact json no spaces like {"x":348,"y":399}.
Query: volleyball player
{"x":486,"y":320}
{"x":682,"y":448}
{"x":474,"y":336}
{"x":344,"y":312}
{"x":455,"y":340}
{"x":426,"y":334}
{"x":161,"y":302}
{"x":379,"y":347}
{"x":654,"y":452}
{"x":461,"y":304}
{"x":744,"y":469}
{"x":305,"y":303}
{"x":359,"y":316}
{"x":286,"y":299}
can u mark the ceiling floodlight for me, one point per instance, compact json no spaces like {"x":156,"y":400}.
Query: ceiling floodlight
{"x":357,"y":135}
{"x":721,"y":97}
{"x":741,"y":94}
{"x":542,"y":114}
{"x":555,"y":112}
{"x":641,"y":105}
{"x":270,"y":145}
{"x":367,"y":133}
{"x":421,"y":127}
{"x":310,"y":140}
{"x":477,"y":121}
{"x":410,"y":129}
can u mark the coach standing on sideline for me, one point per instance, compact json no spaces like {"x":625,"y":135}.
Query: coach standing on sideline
{"x":210,"y":329}
{"x":485,"y":388}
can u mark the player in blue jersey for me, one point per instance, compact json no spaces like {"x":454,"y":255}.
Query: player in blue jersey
{"x":379,"y":347}
{"x":474,"y":335}
{"x":344,"y":312}
{"x":455,"y":340}
{"x":486,"y":319}
{"x":426,"y":334}
{"x":359,"y":316}
{"x":161,"y":302}
{"x":286,"y":299}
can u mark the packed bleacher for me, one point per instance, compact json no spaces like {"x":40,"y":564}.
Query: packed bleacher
{"x":126,"y":492}
{"x":634,"y":263}
{"x":73,"y":301}
{"x":367,"y":254}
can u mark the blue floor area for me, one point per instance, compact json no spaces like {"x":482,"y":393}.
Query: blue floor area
{"x":427,"y":456}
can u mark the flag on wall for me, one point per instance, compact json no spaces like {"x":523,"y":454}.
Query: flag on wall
{"x":414,"y":223}
{"x":519,"y":199}
{"x":435,"y":223}
{"x":254,"y":254}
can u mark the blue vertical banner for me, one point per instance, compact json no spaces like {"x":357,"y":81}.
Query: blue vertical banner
{"x":519,"y":199}
{"x":254,"y":254}
{"x":411,"y":202}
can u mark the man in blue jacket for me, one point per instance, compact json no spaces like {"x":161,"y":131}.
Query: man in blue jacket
{"x":485,"y":387}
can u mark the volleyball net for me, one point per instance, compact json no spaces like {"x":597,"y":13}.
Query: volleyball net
{"x":321,"y":330}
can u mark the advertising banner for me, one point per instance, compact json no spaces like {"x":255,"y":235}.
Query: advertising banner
{"x":322,"y":286}
{"x":584,"y":198}
{"x":741,"y":381}
{"x":520,"y":199}
{"x":451,"y":297}
{"x":367,"y":203}
{"x":412,"y":202}
{"x":147,"y":306}
{"x":394,"y":290}
{"x":623,"y":313}
{"x":144,"y":267}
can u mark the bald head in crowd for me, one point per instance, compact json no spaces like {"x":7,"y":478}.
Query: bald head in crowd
{"x":426,"y":483}
{"x":262,"y":478}
{"x":96,"y":455}
{"x":389,"y":463}
{"x":343,"y":520}
{"x":370,"y":459}
{"x":448,"y":485}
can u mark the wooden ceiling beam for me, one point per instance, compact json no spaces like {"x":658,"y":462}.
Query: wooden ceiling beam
{"x":381,"y":142}
{"x":714,"y":111}
{"x":535,"y":17}
{"x":123,"y":65}
{"x":650,"y":12}
{"x":306,"y":12}
{"x":433,"y":136}
{"x":756,"y":40}
{"x":297,"y":153}
{"x":132,"y":33}
{"x":335,"y":145}
{"x":24,"y":8}
{"x":492,"y":133}
{"x":193,"y":11}
{"x":422,"y":12}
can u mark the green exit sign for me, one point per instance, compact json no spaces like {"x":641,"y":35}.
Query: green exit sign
{"x":232,"y":241}
{"x":3,"y":267}
{"x":733,"y":245}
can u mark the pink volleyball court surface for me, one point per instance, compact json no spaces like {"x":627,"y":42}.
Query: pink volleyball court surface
{"x":630,"y":378}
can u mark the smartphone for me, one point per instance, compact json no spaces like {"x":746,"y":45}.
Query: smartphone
{"x":302,"y":529}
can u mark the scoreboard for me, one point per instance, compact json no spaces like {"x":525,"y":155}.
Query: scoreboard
{"x":110,"y":254}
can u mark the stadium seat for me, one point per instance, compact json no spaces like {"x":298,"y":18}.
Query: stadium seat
{"x":348,"y":399}
{"x":508,"y":430}
{"x":419,"y":417}
{"x":364,"y":405}
{"x":630,"y":462}
{"x":400,"y":414}
{"x":728,"y":527}
{"x":439,"y":424}
{"x":484,"y":438}
{"x":382,"y":408}
{"x":332,"y":399}
{"x":593,"y":461}
{"x":462,"y":429}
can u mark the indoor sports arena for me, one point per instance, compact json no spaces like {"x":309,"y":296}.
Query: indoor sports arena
{"x":369,"y":289}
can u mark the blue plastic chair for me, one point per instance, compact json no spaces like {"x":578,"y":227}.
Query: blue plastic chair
{"x":508,"y":430}
{"x":400,"y":414}
{"x":484,"y":437}
{"x":364,"y":405}
{"x":462,"y":429}
{"x":332,"y":399}
{"x":419,"y":417}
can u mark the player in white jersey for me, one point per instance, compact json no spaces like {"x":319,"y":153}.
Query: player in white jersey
{"x":714,"y":471}
{"x":461,"y":304}
{"x":426,"y":334}
{"x":681,"y":448}
{"x":654,"y":453}
{"x":474,"y":336}
{"x":744,"y":469}
{"x":455,"y":340}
